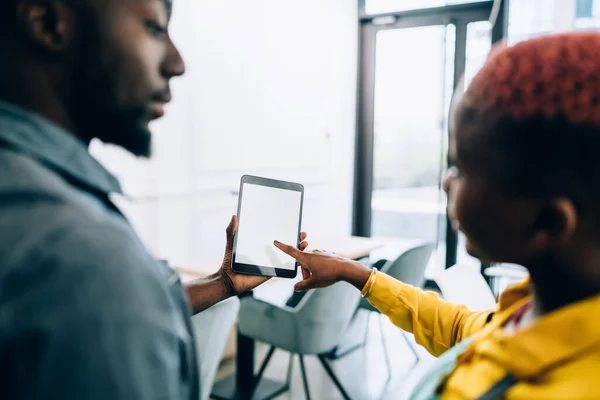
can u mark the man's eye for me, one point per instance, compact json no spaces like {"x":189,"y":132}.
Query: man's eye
{"x":155,"y":29}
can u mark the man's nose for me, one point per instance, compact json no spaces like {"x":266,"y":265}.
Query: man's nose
{"x":173,"y":64}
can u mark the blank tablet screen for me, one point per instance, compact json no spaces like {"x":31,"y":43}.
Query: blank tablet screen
{"x":267,"y":214}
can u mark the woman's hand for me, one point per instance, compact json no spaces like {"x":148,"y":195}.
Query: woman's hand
{"x":321,"y":269}
{"x":239,"y":283}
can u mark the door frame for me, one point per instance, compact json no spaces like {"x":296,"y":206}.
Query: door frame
{"x":459,"y":15}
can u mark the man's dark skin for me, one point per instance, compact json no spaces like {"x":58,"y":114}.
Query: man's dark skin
{"x":101,"y":69}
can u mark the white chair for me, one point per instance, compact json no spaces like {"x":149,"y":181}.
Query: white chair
{"x":409,"y":268}
{"x":503,"y":275}
{"x":465,"y":285}
{"x":211,"y":330}
{"x":313,"y":327}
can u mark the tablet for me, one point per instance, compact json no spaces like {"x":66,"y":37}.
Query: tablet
{"x":268,"y":210}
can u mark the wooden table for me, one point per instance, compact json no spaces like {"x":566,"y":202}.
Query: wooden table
{"x":241,"y":384}
{"x":353,"y":247}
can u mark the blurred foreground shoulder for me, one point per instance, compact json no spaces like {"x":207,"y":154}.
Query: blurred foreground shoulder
{"x":88,"y":312}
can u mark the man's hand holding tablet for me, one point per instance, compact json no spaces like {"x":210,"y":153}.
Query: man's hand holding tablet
{"x":239,"y":283}
{"x":267,"y":210}
{"x":205,"y":292}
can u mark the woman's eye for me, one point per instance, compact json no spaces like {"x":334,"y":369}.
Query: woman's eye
{"x":155,"y":29}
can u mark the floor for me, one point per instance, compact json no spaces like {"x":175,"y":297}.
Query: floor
{"x":362,"y":372}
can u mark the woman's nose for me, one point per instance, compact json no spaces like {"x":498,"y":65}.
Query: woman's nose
{"x":450,"y":173}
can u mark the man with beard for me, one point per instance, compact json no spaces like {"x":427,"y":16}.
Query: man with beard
{"x":85,"y":311}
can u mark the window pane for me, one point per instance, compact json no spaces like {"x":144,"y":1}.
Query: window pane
{"x":413,"y":78}
{"x":587,"y":14}
{"x":384,"y":6}
{"x":530,"y":18}
{"x":479,"y":44}
{"x":585,"y":8}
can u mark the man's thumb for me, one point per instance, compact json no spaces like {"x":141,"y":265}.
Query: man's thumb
{"x":231,"y":228}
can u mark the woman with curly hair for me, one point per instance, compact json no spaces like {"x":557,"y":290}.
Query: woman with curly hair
{"x":524,"y":188}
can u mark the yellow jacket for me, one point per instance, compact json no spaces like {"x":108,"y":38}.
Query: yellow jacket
{"x":557,"y":357}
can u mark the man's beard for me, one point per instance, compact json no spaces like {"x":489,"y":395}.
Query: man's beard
{"x":98,"y":117}
{"x":94,"y":99}
{"x":126,"y":130}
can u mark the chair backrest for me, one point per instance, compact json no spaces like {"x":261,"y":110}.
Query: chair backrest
{"x":323,"y":316}
{"x":410,"y":266}
{"x":462,"y":284}
{"x":211,"y":331}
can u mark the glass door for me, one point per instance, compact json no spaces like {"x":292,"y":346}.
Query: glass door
{"x":410,"y":67}
{"x":413,"y":83}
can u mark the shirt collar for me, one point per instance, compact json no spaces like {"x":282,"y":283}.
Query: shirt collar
{"x":38,"y":138}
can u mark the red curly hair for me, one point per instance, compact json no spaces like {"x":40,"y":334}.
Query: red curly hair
{"x":549,"y":76}
{"x":535,"y":111}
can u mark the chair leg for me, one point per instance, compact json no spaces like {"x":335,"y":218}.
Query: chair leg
{"x":263,"y":366}
{"x":288,"y":379}
{"x":385,"y":355}
{"x":304,"y":378}
{"x":333,"y":377}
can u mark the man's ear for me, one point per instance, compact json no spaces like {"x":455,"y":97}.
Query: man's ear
{"x":556,"y":223}
{"x":46,"y":23}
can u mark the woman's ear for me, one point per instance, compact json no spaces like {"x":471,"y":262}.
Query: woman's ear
{"x":556,"y":223}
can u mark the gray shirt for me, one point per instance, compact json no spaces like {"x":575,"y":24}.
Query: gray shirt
{"x":85,"y":310}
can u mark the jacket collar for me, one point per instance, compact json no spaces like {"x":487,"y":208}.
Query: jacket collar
{"x":57,"y":149}
{"x":552,"y":340}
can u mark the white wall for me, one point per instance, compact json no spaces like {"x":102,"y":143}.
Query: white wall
{"x":270,"y":90}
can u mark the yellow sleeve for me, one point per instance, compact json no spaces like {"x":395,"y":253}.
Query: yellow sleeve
{"x":436,"y":324}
